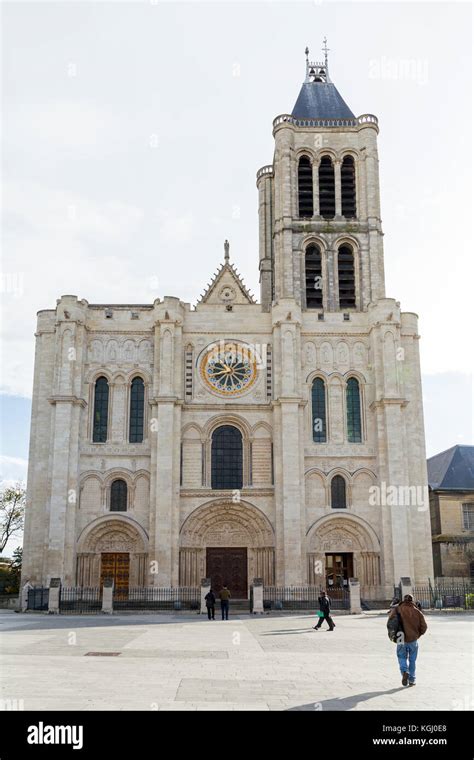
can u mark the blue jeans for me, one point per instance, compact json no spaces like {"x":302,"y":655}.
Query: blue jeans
{"x":225,"y":609}
{"x":407,"y":654}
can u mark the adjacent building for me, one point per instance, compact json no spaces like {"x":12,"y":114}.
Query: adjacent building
{"x":451,"y":488}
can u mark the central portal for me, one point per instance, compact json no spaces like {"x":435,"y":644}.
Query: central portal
{"x":229,"y":566}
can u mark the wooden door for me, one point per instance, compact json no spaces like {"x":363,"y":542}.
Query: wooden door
{"x":115,"y":565}
{"x":229,"y":566}
{"x":339,"y":568}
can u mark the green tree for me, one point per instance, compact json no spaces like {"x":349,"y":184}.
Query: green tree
{"x":12,"y":512}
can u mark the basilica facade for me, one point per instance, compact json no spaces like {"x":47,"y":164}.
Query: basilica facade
{"x":237,"y":439}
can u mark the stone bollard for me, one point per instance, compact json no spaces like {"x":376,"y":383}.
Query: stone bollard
{"x":406,"y":587}
{"x":257,"y":596}
{"x":54,"y":596}
{"x":354,"y":596}
{"x":108,"y":596}
{"x":24,"y":596}
{"x":205,"y":588}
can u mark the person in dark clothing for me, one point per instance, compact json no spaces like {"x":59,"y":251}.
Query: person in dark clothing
{"x":210,"y":600}
{"x":224,"y":596}
{"x":325,"y":608}
{"x":413,"y":626}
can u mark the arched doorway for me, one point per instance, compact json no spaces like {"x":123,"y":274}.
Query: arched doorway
{"x":114,"y":547}
{"x":229,"y":543}
{"x":341,"y":547}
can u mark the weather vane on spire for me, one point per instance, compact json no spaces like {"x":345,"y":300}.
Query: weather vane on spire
{"x":325,"y":51}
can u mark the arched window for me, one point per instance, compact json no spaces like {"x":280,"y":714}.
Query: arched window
{"x":346,"y":277}
{"x":137,"y":410}
{"x":226,"y":458}
{"x":327,"y":188}
{"x":314,"y":277}
{"x":348,"y":188}
{"x":354,"y":427}
{"x":101,"y":410}
{"x":338,"y":492}
{"x":118,"y":496}
{"x":305,"y":187}
{"x":319,"y":410}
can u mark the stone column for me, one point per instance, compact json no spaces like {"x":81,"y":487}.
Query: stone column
{"x":205,"y":588}
{"x":316,"y":211}
{"x":354,"y":596}
{"x":337,"y":187}
{"x":54,"y":596}
{"x":289,"y":489}
{"x":257,"y":596}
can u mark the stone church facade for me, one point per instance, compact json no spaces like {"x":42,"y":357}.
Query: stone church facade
{"x":237,"y":439}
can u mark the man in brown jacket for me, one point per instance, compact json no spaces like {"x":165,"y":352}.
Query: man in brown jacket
{"x":414,"y":626}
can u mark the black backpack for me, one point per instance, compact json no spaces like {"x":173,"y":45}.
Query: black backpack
{"x":395,"y":628}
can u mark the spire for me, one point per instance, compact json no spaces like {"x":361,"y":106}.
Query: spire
{"x":226,"y":251}
{"x":319,"y":98}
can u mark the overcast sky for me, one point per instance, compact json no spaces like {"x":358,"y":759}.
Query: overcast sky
{"x":131,"y":137}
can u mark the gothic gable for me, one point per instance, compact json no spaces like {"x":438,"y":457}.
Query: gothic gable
{"x":226,"y":287}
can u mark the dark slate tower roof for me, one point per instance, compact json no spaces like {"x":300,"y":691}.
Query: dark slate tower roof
{"x":319,"y":97}
{"x":452,"y":470}
{"x":321,"y":100}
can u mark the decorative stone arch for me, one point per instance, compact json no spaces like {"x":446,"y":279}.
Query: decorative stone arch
{"x":345,"y":534}
{"x":261,"y":426}
{"x":316,"y":374}
{"x":221,"y":523}
{"x":119,"y":474}
{"x":348,"y":152}
{"x":192,"y":451}
{"x":354,"y":244}
{"x":91,"y":382}
{"x":117,"y":533}
{"x":333,"y":154}
{"x":306,"y":242}
{"x":360,"y":377}
{"x":83,"y":481}
{"x":147,"y":383}
{"x":301,"y":152}
{"x":261,"y":455}
{"x":315,"y":483}
{"x":348,"y":479}
{"x":193,"y":431}
{"x":244,"y":427}
{"x":363,"y":480}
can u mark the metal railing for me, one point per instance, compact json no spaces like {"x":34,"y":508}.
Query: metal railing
{"x":38,"y":599}
{"x":154,"y":598}
{"x":80,"y":600}
{"x":302,"y":598}
{"x":445,"y":595}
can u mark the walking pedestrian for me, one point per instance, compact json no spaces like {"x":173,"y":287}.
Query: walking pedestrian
{"x":325,"y":608}
{"x":210,"y":600}
{"x":224,"y":596}
{"x":411,"y":625}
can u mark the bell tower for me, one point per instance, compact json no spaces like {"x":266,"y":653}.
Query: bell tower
{"x":320,"y":233}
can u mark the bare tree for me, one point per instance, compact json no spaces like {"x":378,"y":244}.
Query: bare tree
{"x":12,"y":511}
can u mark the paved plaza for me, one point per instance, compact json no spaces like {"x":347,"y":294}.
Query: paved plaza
{"x":269,"y":662}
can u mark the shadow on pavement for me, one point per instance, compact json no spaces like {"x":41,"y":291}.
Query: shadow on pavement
{"x":346,"y":703}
